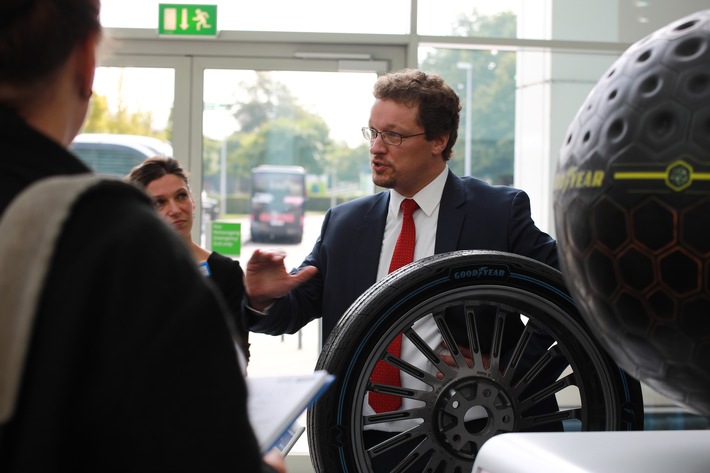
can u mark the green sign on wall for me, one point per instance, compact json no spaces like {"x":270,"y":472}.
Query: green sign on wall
{"x":187,"y":20}
{"x":227,"y":238}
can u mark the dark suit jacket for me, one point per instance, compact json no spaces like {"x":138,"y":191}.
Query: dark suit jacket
{"x":473,"y":215}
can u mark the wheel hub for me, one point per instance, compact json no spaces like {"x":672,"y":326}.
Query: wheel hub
{"x":471,"y":411}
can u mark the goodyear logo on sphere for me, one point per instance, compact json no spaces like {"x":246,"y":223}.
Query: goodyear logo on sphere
{"x":480,"y":272}
{"x":573,"y":178}
{"x":677,"y":176}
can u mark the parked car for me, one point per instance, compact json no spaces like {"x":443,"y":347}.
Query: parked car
{"x":115,"y":155}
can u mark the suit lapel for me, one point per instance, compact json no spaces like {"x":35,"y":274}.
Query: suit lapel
{"x":451,"y":215}
{"x":369,"y":235}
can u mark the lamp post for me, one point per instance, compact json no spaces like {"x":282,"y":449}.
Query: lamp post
{"x":469,"y":83}
{"x":223,"y":175}
{"x":218,"y":124}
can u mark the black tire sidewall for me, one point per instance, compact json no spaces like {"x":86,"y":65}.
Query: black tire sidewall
{"x":361,"y":332}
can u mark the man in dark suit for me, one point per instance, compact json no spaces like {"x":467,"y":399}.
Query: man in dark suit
{"x":412,"y":130}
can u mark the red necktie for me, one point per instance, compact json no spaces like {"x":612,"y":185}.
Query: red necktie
{"x":384,"y":373}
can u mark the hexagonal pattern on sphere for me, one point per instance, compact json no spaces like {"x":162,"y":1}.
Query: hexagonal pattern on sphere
{"x":632,"y":210}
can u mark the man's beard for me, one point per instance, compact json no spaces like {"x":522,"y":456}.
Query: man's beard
{"x":383,"y":181}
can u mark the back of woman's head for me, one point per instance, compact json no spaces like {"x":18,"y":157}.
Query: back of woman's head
{"x":36,"y":39}
{"x":154,"y":168}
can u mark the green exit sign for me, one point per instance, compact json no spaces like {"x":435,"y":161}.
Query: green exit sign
{"x":188,"y":20}
{"x":227,"y":238}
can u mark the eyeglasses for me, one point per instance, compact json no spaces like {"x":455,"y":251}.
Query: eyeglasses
{"x":388,"y":137}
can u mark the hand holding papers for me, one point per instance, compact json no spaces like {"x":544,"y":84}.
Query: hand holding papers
{"x":289,"y":438}
{"x":276,"y":402}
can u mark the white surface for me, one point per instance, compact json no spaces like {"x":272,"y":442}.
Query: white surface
{"x":598,"y":452}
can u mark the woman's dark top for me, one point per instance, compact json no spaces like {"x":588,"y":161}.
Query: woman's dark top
{"x":131,"y":365}
{"x":228,"y":276}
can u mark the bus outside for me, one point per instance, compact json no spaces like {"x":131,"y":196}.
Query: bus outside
{"x":278,"y":197}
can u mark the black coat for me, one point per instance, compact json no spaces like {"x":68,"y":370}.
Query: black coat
{"x":131,"y":365}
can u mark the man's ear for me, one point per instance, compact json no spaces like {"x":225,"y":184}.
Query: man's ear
{"x":86,"y":65}
{"x":440,"y":143}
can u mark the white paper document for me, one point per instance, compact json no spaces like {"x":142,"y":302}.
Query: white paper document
{"x":275,"y":402}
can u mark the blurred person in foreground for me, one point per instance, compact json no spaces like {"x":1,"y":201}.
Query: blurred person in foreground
{"x":167,"y":184}
{"x":131,"y":364}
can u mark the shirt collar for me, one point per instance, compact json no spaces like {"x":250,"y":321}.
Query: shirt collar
{"x":428,"y":198}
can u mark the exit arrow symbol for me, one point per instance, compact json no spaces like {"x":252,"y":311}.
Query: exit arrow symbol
{"x":184,"y":23}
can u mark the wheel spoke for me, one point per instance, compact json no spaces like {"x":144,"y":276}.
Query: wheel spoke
{"x":497,"y":341}
{"x":449,"y":340}
{"x":473,"y":338}
{"x":398,"y":391}
{"x":397,"y":440}
{"x":393,"y":416}
{"x":547,"y":391}
{"x":430,"y":354}
{"x":550,"y":358}
{"x":536,"y":421}
{"x":423,"y":447}
{"x":518,"y":352}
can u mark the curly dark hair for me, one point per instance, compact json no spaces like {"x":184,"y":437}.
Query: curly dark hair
{"x":439,"y":106}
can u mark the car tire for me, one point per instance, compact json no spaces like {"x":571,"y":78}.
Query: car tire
{"x":554,"y":354}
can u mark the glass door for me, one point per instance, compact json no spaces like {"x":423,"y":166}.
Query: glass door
{"x":278,"y":148}
{"x":303,"y":128}
{"x":137,"y":110}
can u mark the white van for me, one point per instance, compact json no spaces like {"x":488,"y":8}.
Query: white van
{"x":115,"y":155}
